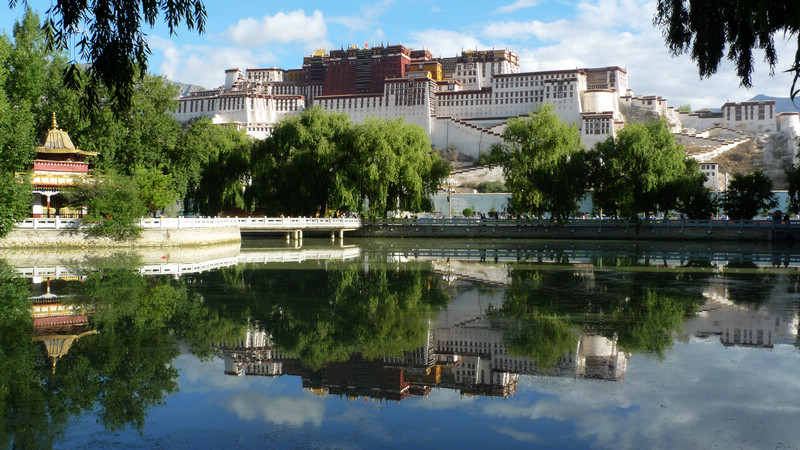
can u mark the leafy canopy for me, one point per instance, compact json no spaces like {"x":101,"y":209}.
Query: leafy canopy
{"x":109,"y":36}
{"x":319,"y":161}
{"x":706,"y":29}
{"x":542,"y":165}
{"x":747,"y":195}
{"x":630,"y":172}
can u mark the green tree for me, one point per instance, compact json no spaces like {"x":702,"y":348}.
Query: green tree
{"x":540,"y":156}
{"x":16,"y":134}
{"x":792,"y":176}
{"x":212,"y":164}
{"x":747,"y":195}
{"x":295,"y":170}
{"x":16,"y":200}
{"x":110,"y":38}
{"x":319,"y":161}
{"x":490,"y":187}
{"x":393,"y":167}
{"x":705,"y":29}
{"x":630,"y":172}
{"x":114,"y":205}
{"x":155,"y":189}
{"x":688,"y":195}
{"x":685,"y":108}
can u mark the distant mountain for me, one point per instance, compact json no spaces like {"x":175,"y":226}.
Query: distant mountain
{"x":782,"y":104}
{"x":185,"y":89}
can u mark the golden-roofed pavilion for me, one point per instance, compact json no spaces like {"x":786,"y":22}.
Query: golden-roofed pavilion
{"x":58,"y":165}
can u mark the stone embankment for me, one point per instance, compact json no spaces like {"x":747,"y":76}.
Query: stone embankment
{"x":664,"y":230}
{"x":49,"y":238}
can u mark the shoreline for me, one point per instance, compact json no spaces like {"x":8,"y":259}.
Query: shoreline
{"x":150,"y":238}
{"x":586,"y":230}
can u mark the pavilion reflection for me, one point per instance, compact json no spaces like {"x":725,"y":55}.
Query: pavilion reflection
{"x":58,"y":324}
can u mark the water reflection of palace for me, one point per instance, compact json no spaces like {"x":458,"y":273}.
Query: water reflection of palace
{"x":470,"y":357}
{"x":754,"y":326}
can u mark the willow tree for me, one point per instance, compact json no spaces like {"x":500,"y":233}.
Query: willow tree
{"x":109,"y":36}
{"x":394,"y":168}
{"x":542,"y":164}
{"x":297,"y":167}
{"x":631,"y":170}
{"x":211,"y":163}
{"x":319,"y":161}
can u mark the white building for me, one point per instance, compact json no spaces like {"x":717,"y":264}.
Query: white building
{"x":462,"y":101}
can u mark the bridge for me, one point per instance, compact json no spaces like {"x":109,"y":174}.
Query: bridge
{"x":292,"y":227}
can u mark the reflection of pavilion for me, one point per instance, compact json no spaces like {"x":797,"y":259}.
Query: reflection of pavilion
{"x":58,"y":164}
{"x":57,"y":325}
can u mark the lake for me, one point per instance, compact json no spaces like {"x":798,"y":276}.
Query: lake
{"x":401,"y":343}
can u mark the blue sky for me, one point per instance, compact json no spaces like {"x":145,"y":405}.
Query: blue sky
{"x":547,"y":35}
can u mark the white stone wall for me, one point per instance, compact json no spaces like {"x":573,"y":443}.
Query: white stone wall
{"x":469,"y":140}
{"x":789,"y":124}
{"x":61,"y":239}
{"x":407,"y":99}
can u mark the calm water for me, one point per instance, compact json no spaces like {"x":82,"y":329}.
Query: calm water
{"x":402,"y":343}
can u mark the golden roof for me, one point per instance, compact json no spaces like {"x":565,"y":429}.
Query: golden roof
{"x":58,"y":141}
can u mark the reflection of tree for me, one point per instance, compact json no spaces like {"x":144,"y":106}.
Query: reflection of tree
{"x":22,"y":409}
{"x":126,"y":300}
{"x":120,"y":373}
{"x":744,"y":286}
{"x":641,"y":310}
{"x":325,"y":316}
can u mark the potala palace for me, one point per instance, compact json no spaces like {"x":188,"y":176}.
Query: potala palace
{"x":464,"y":102}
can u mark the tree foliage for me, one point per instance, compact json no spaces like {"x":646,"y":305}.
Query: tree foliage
{"x":320,"y":161}
{"x":705,"y":29}
{"x":542,"y":165}
{"x":109,"y":36}
{"x":212,"y":164}
{"x":747,"y":195}
{"x":630,"y":172}
{"x":688,"y":195}
{"x":792,"y":175}
{"x":114,"y":205}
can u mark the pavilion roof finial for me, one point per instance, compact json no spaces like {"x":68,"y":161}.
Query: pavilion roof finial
{"x":55,"y":124}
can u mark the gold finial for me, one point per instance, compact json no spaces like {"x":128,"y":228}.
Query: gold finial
{"x":55,"y":124}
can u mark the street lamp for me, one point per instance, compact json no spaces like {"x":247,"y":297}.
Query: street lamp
{"x":450,"y":183}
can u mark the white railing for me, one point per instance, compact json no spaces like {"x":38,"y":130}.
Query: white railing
{"x":260,"y":257}
{"x":255,"y":223}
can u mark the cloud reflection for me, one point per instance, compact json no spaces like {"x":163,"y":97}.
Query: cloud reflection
{"x":277,"y":410}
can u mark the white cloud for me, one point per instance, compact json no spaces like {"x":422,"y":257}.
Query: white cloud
{"x":443,"y":42}
{"x":368,"y":15}
{"x":544,"y":31}
{"x":276,"y":409}
{"x":620,"y":32}
{"x":706,"y":397}
{"x":294,"y":26}
{"x":519,"y":4}
{"x":519,"y":435}
{"x":203,"y":64}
